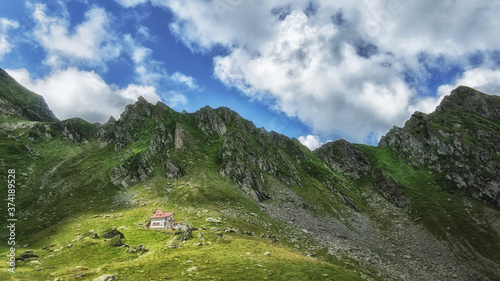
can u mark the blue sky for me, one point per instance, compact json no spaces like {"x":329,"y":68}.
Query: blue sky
{"x":314,"y":70}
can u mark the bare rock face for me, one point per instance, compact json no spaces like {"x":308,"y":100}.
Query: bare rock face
{"x":172,"y":171}
{"x":160,"y":141}
{"x":343,"y":157}
{"x":181,"y":137}
{"x":460,"y":140}
{"x":209,"y":122}
{"x":237,"y":165}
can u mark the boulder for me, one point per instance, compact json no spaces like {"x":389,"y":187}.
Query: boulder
{"x":105,"y":277}
{"x":116,"y":241}
{"x":111,"y":232}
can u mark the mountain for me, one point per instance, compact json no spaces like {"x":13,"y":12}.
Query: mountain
{"x":460,"y":140}
{"x":423,"y":205}
{"x":18,"y":103}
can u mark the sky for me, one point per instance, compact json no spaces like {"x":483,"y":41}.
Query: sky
{"x":315,"y":70}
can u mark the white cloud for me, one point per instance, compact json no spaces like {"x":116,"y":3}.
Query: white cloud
{"x":176,"y":100}
{"x":187,"y":81}
{"x":339,"y":68}
{"x":452,"y":27}
{"x":5,"y":45}
{"x":483,"y":79}
{"x":130,"y":3}
{"x":92,"y":42}
{"x":202,"y":25}
{"x":75,"y":93}
{"x":148,"y":70}
{"x":144,"y":32}
{"x":312,"y":142}
{"x":332,"y":91}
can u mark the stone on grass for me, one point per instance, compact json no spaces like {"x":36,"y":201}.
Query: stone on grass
{"x":194,"y":268}
{"x":116,"y":241}
{"x":105,"y":277}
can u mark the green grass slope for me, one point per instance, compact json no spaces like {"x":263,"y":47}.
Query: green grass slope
{"x":75,"y":180}
{"x":64,"y":194}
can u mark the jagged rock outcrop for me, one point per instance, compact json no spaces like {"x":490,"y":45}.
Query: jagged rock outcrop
{"x":239,"y":166}
{"x":181,"y":137}
{"x":172,"y":171}
{"x":209,"y":122}
{"x":136,"y":169}
{"x":161,"y":141}
{"x":459,"y":140}
{"x":345,"y":158}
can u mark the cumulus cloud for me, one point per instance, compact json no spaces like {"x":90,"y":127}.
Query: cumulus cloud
{"x":339,"y":66}
{"x":75,"y":93}
{"x":91,"y":42}
{"x":328,"y":86}
{"x":201,"y":25}
{"x":452,"y":27}
{"x":312,"y":142}
{"x":187,"y":81}
{"x":5,"y":26}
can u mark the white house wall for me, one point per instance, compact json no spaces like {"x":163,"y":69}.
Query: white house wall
{"x":163,"y":223}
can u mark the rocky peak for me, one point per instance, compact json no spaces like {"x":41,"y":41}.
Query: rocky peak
{"x":140,"y":108}
{"x":110,"y":121}
{"x":161,"y":106}
{"x":465,"y":98}
{"x":343,"y":157}
{"x":209,"y":123}
{"x":227,"y":114}
{"x":19,"y":102}
{"x":460,"y":140}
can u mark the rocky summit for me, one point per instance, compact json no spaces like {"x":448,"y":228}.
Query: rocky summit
{"x":459,"y":140}
{"x":422,"y":205}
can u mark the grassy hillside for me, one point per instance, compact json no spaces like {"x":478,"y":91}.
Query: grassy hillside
{"x":264,"y":206}
{"x":64,"y":195}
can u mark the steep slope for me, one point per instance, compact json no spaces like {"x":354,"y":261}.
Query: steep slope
{"x":430,"y":167}
{"x":344,"y":211}
{"x":459,"y":140}
{"x":16,"y":102}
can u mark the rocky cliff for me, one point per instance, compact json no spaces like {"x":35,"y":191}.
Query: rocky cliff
{"x":459,"y":140}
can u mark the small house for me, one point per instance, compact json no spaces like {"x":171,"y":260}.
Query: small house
{"x":161,"y":220}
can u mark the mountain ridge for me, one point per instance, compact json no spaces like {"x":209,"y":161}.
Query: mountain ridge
{"x":396,"y":211}
{"x":465,"y":150}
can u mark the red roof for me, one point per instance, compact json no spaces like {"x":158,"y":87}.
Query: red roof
{"x":161,"y":214}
